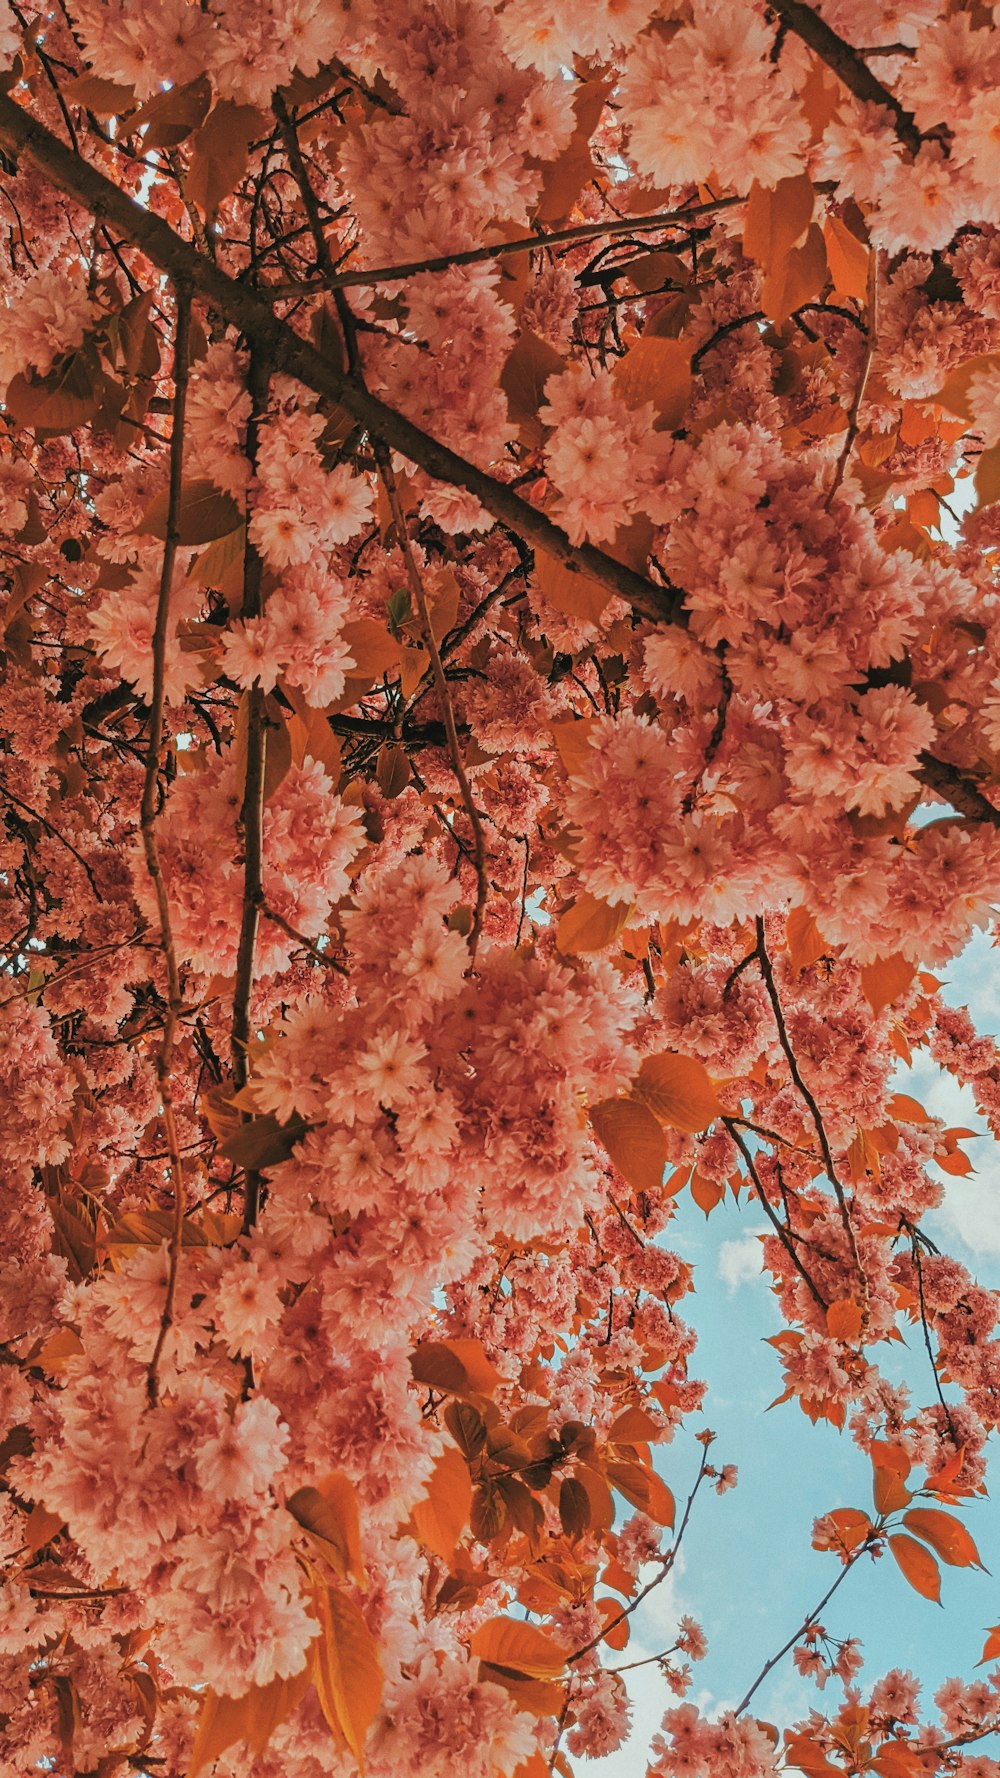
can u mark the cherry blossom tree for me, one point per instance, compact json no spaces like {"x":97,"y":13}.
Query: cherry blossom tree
{"x":501,"y":648}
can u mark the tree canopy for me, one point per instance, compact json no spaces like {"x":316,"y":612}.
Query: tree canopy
{"x":501,"y":726}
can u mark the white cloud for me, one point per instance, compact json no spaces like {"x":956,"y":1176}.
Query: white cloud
{"x":739,"y":1261}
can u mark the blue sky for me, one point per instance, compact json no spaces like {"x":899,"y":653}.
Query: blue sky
{"x":748,"y":1573}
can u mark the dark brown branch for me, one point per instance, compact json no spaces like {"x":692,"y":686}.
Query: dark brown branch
{"x":915,"y":1239}
{"x":773,"y":1218}
{"x":560,"y":237}
{"x":54,"y":833}
{"x":284,"y":350}
{"x":150,"y":790}
{"x":419,"y":598}
{"x":958,"y":789}
{"x":807,"y":1094}
{"x":252,"y":812}
{"x":854,"y":412}
{"x":848,"y":65}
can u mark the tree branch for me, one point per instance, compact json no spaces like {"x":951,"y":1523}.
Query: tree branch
{"x":252,"y":812}
{"x":958,"y":789}
{"x":559,"y":237}
{"x":164,"y":1052}
{"x":803,"y":1627}
{"x":810,"y":1100}
{"x":848,"y":65}
{"x":772,"y":1216}
{"x":286,"y":351}
{"x":419,"y":598}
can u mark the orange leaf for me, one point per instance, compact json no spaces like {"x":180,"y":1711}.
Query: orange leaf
{"x":633,"y":1427}
{"x":707,"y":1192}
{"x":572,"y":741}
{"x":203,"y":514}
{"x":843,"y":1319}
{"x":661,"y":1506}
{"x":896,"y":1760}
{"x":796,"y":276}
{"x":806,"y":944}
{"x":571,"y":592}
{"x":955,"y":1163}
{"x":644,"y":1489}
{"x":373,"y":650}
{"x":617,"y":1633}
{"x":251,"y":1718}
{"x":842,"y":1530}
{"x":656,"y":370}
{"x":535,"y":1766}
{"x":991,"y":1648}
{"x":602,"y":1506}
{"x":945,"y":1534}
{"x":574,"y":1507}
{"x":542,"y":1697}
{"x":944,"y":1480}
{"x":329,"y":1513}
{"x":679,"y":1090}
{"x":804,"y":1754}
{"x":40,"y":1528}
{"x":889,"y":1456}
{"x":441,"y":1517}
{"x":885,"y":980}
{"x":345,"y":1667}
{"x":459,"y":1367}
{"x":633,"y":1140}
{"x":507,"y":1642}
{"x":220,"y":152}
{"x":987,"y":476}
{"x":954,"y":392}
{"x":907,"y":1110}
{"x":917,"y":1565}
{"x":591,"y":925}
{"x":889,"y":1491}
{"x":776,"y":218}
{"x":847,"y":258}
{"x":528,"y":368}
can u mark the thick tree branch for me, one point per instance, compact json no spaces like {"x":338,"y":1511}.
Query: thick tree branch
{"x":848,"y":65}
{"x":284,"y":350}
{"x":252,"y":812}
{"x":165,"y":1048}
{"x":958,"y":789}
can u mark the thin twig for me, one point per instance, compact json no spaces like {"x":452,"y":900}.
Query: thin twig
{"x":43,"y":821}
{"x":300,"y":938}
{"x":164,"y":1052}
{"x":783,"y":1234}
{"x":810,"y":1100}
{"x":914,"y":1235}
{"x":419,"y":597}
{"x":560,"y":237}
{"x":666,"y":1565}
{"x":803,"y":1627}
